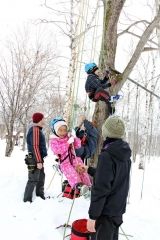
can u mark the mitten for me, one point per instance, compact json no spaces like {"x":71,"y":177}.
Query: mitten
{"x":71,"y":140}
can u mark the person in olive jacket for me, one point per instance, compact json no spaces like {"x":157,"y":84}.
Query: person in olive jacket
{"x":111,"y":182}
{"x":36,"y":145}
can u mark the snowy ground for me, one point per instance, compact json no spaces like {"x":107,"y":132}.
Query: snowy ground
{"x":38,"y":221}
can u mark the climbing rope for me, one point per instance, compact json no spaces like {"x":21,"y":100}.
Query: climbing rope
{"x":79,"y":59}
{"x":92,"y":57}
{"x":75,"y":91}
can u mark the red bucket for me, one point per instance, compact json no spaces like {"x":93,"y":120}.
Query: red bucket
{"x":79,"y":230}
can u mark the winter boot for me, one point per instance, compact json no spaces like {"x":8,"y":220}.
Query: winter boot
{"x":64,"y":184}
{"x":41,"y":196}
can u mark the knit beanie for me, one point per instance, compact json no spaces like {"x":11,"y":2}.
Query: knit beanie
{"x":113,"y":128}
{"x":37,"y":117}
{"x":59,"y":124}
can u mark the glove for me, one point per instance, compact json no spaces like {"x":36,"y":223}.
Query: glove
{"x":81,"y":169}
{"x":107,"y":73}
{"x":113,"y":82}
{"x":73,"y":133}
{"x":71,"y":140}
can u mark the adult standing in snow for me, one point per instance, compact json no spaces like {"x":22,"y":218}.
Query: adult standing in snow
{"x":111,"y":182}
{"x":36,"y":153}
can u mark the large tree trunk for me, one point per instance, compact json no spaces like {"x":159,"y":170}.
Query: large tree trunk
{"x":71,"y":71}
{"x":112,"y":10}
{"x":69,"y":87}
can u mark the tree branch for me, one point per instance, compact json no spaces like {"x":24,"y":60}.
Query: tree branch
{"x":56,"y":23}
{"x":56,"y":11}
{"x":130,"y":26}
{"x":136,"y":35}
{"x":140,"y":46}
{"x":144,"y":88}
{"x":147,"y":49}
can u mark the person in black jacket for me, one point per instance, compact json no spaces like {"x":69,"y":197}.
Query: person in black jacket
{"x":36,"y":153}
{"x":88,"y":134}
{"x":111,"y":182}
{"x":96,"y":88}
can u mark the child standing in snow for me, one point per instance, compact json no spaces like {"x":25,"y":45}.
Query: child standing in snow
{"x":63,"y":146}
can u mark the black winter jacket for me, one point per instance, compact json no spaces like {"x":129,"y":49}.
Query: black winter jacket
{"x":111,"y":182}
{"x":36,"y":143}
{"x":93,"y":83}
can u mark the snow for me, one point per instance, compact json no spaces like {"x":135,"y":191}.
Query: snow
{"x":38,"y":220}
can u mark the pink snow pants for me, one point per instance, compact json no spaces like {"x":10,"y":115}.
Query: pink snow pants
{"x":71,"y":174}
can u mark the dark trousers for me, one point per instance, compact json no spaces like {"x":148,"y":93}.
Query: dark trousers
{"x":102,"y":95}
{"x":106,"y":229}
{"x":99,"y":95}
{"x":35,"y":179}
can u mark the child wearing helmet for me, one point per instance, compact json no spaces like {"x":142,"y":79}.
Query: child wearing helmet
{"x":64,"y":147}
{"x":96,"y":88}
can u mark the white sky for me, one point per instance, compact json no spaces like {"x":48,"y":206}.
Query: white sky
{"x":18,"y":9}
{"x":14,"y":13}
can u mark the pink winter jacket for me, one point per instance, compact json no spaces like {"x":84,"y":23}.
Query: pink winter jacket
{"x":60,"y":146}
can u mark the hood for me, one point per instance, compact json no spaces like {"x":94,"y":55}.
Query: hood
{"x":119,"y":149}
{"x":58,"y":139}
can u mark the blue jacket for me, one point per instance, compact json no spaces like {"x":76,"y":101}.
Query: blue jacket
{"x":87,"y":150}
{"x":93,"y":83}
{"x":36,"y":143}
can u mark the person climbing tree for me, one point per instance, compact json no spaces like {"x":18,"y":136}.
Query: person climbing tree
{"x":88,"y":135}
{"x":96,"y":88}
{"x":63,"y":145}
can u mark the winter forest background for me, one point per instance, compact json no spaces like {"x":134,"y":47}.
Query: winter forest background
{"x":44,"y":46}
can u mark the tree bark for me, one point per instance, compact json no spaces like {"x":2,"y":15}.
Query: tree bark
{"x":112,"y":10}
{"x":10,"y":142}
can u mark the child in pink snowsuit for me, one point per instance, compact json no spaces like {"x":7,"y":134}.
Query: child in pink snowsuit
{"x":63,"y":146}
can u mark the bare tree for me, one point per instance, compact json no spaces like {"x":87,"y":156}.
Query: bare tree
{"x":74,"y":24}
{"x":52,"y":103}
{"x":23,"y":73}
